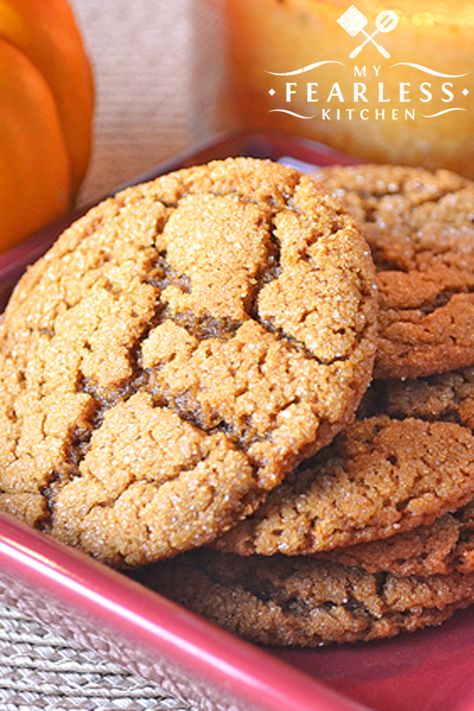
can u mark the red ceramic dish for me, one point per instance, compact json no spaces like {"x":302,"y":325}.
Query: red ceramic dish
{"x":207,"y":668}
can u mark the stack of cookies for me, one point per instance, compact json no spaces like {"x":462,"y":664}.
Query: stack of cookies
{"x":187,"y":375}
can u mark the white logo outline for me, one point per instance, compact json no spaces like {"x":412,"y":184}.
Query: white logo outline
{"x":353,"y":21}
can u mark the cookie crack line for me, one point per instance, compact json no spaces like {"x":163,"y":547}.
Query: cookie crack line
{"x":297,"y":345}
{"x":404,"y":190}
{"x":412,"y":397}
{"x":418,"y":224}
{"x":307,"y":604}
{"x":444,"y":547}
{"x":144,"y":309}
{"x":372,"y":211}
{"x":288,"y":602}
{"x":435,"y":201}
{"x":141,"y":380}
{"x":442,"y":299}
{"x":395,"y":491}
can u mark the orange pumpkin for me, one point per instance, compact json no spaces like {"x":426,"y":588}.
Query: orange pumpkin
{"x":46,"y":106}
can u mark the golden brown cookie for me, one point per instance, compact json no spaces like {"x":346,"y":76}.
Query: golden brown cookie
{"x":420,"y":226}
{"x":180,"y":348}
{"x":380,"y":477}
{"x":303,"y":602}
{"x":444,"y":547}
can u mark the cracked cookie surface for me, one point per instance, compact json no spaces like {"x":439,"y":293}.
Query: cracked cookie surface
{"x":379,"y":477}
{"x":302,"y":602}
{"x":447,"y":545}
{"x":447,"y":396}
{"x":420,"y":226}
{"x":178,"y":351}
{"x":444,"y":547}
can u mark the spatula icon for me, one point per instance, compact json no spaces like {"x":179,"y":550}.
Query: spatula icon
{"x":353,"y":21}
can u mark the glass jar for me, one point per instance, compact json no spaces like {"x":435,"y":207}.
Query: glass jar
{"x":388,"y":83}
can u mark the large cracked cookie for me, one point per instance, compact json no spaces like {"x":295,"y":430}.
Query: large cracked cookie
{"x":380,"y":477}
{"x":179,"y":350}
{"x":420,"y":226}
{"x":303,"y":602}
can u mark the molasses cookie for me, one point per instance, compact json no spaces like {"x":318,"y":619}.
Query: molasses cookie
{"x":419,"y":225}
{"x":178,"y":351}
{"x":303,"y":602}
{"x":448,"y":397}
{"x":445,"y":547}
{"x":379,"y":477}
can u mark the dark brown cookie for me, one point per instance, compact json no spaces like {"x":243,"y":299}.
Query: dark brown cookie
{"x":448,"y":397}
{"x":419,"y":225}
{"x":445,"y":547}
{"x":380,"y":477}
{"x":303,"y":602}
{"x":181,"y":347}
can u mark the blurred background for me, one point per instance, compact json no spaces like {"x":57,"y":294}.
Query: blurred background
{"x":141,"y":53}
{"x":166,"y":75}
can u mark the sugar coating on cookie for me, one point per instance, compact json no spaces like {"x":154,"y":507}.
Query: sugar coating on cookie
{"x":420,"y":226}
{"x":178,"y":351}
{"x":303,"y":602}
{"x":444,"y":547}
{"x":447,"y":545}
{"x":379,"y":477}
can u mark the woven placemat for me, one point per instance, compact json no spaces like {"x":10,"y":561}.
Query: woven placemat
{"x":141,"y":52}
{"x":41,"y":670}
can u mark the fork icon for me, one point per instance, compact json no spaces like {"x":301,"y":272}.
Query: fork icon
{"x":353,"y":21}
